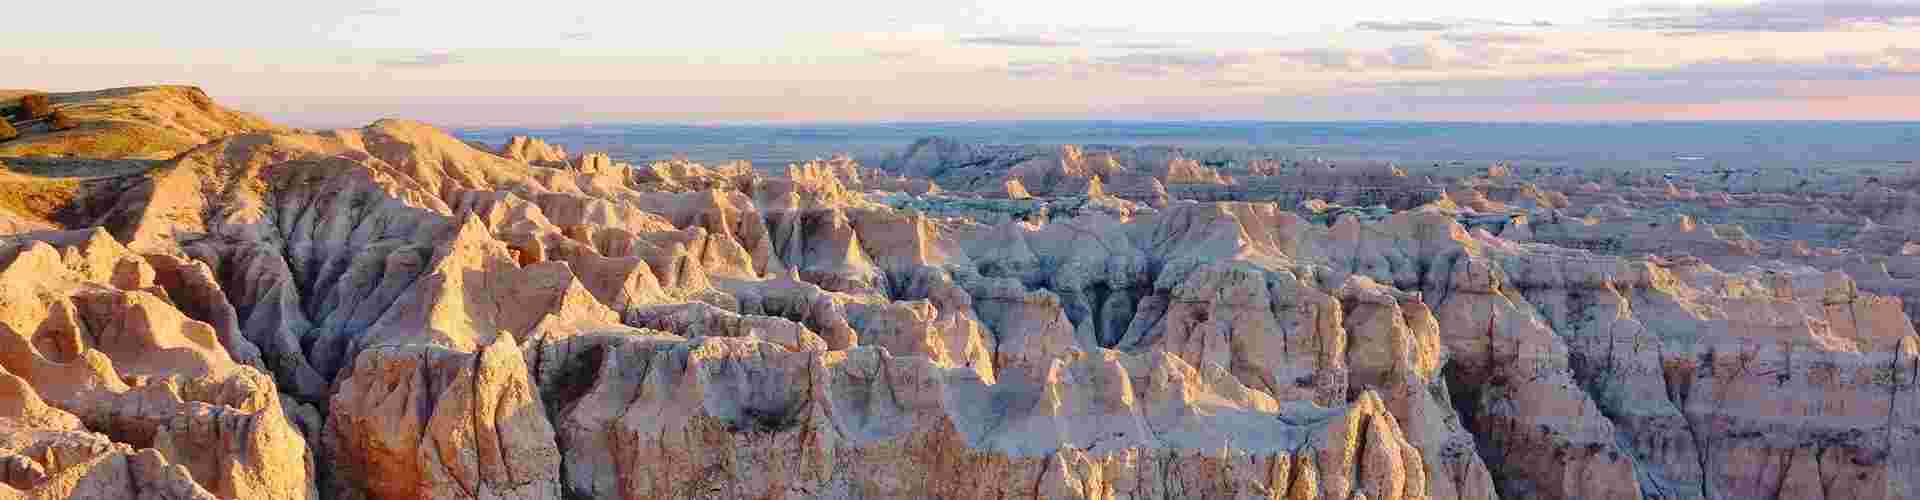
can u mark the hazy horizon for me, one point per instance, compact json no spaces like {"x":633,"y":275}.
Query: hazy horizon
{"x":567,"y":61}
{"x":1662,"y":144}
{"x":1147,"y":121}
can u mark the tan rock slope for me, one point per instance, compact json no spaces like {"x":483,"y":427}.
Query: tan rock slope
{"x":391,"y":313}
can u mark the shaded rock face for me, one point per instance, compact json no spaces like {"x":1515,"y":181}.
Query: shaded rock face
{"x":389,"y":313}
{"x":110,"y":391}
{"x":730,"y":418}
{"x":423,"y":422}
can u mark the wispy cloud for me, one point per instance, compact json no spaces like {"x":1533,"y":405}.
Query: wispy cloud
{"x":1327,"y":59}
{"x":1444,"y":25}
{"x":576,"y":36}
{"x":1494,"y":38}
{"x":1526,"y":24}
{"x":894,"y":55}
{"x":1604,"y":51}
{"x":1185,"y":63}
{"x":1144,"y":45}
{"x":1420,"y":57}
{"x":1143,"y":64}
{"x":1406,"y":26}
{"x":1019,"y":41}
{"x":1773,"y":16}
{"x":1230,"y":84}
{"x":422,"y":61}
{"x":1471,"y":54}
{"x":1703,"y":81}
{"x":1214,"y":66}
{"x":1083,"y":37}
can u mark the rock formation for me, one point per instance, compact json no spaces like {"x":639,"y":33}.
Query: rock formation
{"x":389,"y":312}
{"x":534,"y":151}
{"x":114,"y":392}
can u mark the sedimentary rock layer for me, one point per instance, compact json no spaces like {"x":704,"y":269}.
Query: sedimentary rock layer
{"x":390,"y":313}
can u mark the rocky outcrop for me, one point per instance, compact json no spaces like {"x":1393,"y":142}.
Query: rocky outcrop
{"x":113,"y":392}
{"x":389,"y":312}
{"x":732,"y":418}
{"x":534,"y":151}
{"x":429,"y":422}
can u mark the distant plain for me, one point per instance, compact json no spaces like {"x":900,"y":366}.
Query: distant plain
{"x":1625,"y":145}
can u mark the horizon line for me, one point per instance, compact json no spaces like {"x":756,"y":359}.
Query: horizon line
{"x":1125,"y":121}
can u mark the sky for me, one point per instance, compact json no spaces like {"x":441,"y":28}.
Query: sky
{"x":485,"y":62}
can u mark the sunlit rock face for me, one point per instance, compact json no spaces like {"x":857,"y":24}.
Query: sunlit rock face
{"x":391,"y":313}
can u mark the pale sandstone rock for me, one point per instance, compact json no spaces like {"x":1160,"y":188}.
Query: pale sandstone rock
{"x":426,"y":422}
{"x":866,"y":423}
{"x":533,"y":151}
{"x":531,"y":324}
{"x":175,"y":416}
{"x":1015,"y":190}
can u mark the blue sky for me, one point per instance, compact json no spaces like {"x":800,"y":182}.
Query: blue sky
{"x":562,"y":61}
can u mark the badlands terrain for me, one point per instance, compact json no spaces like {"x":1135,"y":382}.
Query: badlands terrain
{"x":196,"y":303}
